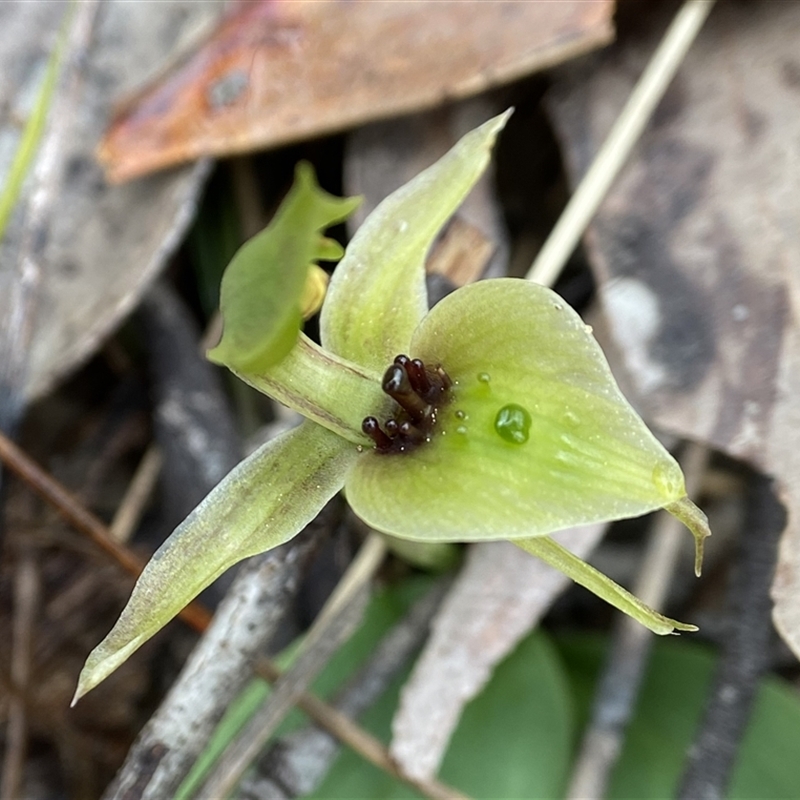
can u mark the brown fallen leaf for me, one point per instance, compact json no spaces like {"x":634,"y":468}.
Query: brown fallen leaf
{"x":278,"y":72}
{"x":697,"y":247}
{"x":498,"y":598}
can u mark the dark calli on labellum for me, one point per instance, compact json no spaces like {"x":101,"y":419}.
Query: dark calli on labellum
{"x":419,"y":392}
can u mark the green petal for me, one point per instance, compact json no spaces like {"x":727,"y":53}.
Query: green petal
{"x":322,"y":387}
{"x":377,"y":294}
{"x":587,"y":576}
{"x":520,"y":356}
{"x":263,"y":284}
{"x":261,"y":504}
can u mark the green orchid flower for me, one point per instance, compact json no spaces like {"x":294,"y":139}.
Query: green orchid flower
{"x":492,"y":416}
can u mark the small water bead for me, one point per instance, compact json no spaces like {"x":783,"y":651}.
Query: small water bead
{"x":484,"y":377}
{"x":462,"y":430}
{"x":461,"y":415}
{"x":664,"y":477}
{"x":513,"y":424}
{"x":572,"y":419}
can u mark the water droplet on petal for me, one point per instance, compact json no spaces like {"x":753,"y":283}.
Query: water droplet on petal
{"x":484,"y":377}
{"x":461,"y":415}
{"x":664,"y":479}
{"x":513,"y":423}
{"x":462,"y":430}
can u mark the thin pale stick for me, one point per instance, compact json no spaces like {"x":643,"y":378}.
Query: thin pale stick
{"x":130,"y":510}
{"x":296,"y":764}
{"x":618,"y":688}
{"x":619,"y":143}
{"x":359,"y":740}
{"x":332,"y":627}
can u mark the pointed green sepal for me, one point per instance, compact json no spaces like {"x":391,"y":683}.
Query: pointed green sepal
{"x":551,"y":552}
{"x":377,"y":293}
{"x":536,"y":438}
{"x":697,"y":523}
{"x":263,"y":285}
{"x":262,"y":503}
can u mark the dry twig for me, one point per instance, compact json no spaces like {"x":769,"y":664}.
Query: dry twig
{"x":130,"y":510}
{"x":335,"y":624}
{"x":77,"y":515}
{"x":629,"y":651}
{"x":340,"y":725}
{"x":620,"y":141}
{"x":294,"y":766}
{"x":355,"y":737}
{"x":746,"y":650}
{"x":217,"y":669}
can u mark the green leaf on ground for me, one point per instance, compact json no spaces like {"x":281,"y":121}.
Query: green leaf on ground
{"x":669,"y":710}
{"x":385,"y":609}
{"x":513,"y":741}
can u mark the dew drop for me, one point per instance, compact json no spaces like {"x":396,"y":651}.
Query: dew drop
{"x":461,"y":415}
{"x":484,"y":377}
{"x":664,"y":479}
{"x":513,"y":423}
{"x":462,"y":430}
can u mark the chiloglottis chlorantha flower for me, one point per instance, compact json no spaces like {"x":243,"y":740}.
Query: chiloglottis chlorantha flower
{"x":491,"y":416}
